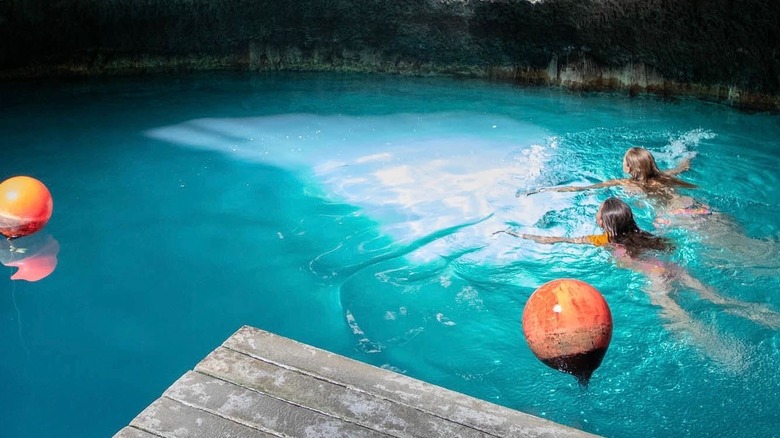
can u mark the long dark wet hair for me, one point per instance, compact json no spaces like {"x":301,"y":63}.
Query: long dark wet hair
{"x":643,"y":169}
{"x":618,"y":222}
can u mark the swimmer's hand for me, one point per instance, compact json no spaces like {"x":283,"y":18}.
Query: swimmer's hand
{"x":571,"y":188}
{"x":684,"y":165}
{"x":548,"y":189}
{"x":510,"y":232}
{"x":530,"y":192}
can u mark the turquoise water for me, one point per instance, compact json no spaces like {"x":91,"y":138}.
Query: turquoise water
{"x":356,"y":213}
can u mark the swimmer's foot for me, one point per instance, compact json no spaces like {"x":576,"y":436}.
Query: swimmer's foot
{"x":757,"y":313}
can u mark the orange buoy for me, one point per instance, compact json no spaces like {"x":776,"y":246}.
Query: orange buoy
{"x":25,"y":206}
{"x":568,"y":326}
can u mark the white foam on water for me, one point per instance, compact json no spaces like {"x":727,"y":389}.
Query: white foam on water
{"x":685,"y":144}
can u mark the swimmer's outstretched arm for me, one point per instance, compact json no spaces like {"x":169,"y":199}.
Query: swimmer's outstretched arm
{"x":608,"y":183}
{"x":545,"y":239}
{"x":684,"y":165}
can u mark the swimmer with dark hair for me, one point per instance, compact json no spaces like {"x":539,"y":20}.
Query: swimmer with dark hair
{"x":634,"y":248}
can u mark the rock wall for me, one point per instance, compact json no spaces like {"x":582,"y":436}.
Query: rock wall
{"x":726,"y":50}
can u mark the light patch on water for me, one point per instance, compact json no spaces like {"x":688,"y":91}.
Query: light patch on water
{"x":469,"y":296}
{"x":353,"y":324}
{"x":402,"y":339}
{"x":365,"y":344}
{"x":393,"y":368}
{"x":444,"y":320}
{"x":375,"y":157}
{"x":413,"y":174}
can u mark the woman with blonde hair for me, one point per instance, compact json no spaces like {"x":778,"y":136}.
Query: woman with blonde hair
{"x":646,"y":177}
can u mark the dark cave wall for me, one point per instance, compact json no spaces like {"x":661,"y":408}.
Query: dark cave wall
{"x":725,"y":49}
{"x":47,"y":32}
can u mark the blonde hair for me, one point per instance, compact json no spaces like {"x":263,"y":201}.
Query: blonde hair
{"x":642,"y":168}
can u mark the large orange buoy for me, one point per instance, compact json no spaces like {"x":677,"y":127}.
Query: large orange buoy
{"x":568,"y":326}
{"x":25,"y":206}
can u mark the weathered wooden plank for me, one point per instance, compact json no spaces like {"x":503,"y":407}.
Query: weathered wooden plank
{"x":437,"y":401}
{"x":172,"y":419}
{"x":132,"y":432}
{"x":259,"y":410}
{"x":335,"y":399}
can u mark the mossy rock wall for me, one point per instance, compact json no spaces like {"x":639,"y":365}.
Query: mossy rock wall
{"x":722,"y":49}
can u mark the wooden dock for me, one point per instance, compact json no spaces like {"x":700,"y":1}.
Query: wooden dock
{"x":258,"y":384}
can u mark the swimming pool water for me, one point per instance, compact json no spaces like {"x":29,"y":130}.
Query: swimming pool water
{"x":355,"y":213}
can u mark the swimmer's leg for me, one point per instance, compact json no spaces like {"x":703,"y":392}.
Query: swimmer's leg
{"x":704,"y":291}
{"x":729,"y":353}
{"x":755,"y":312}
